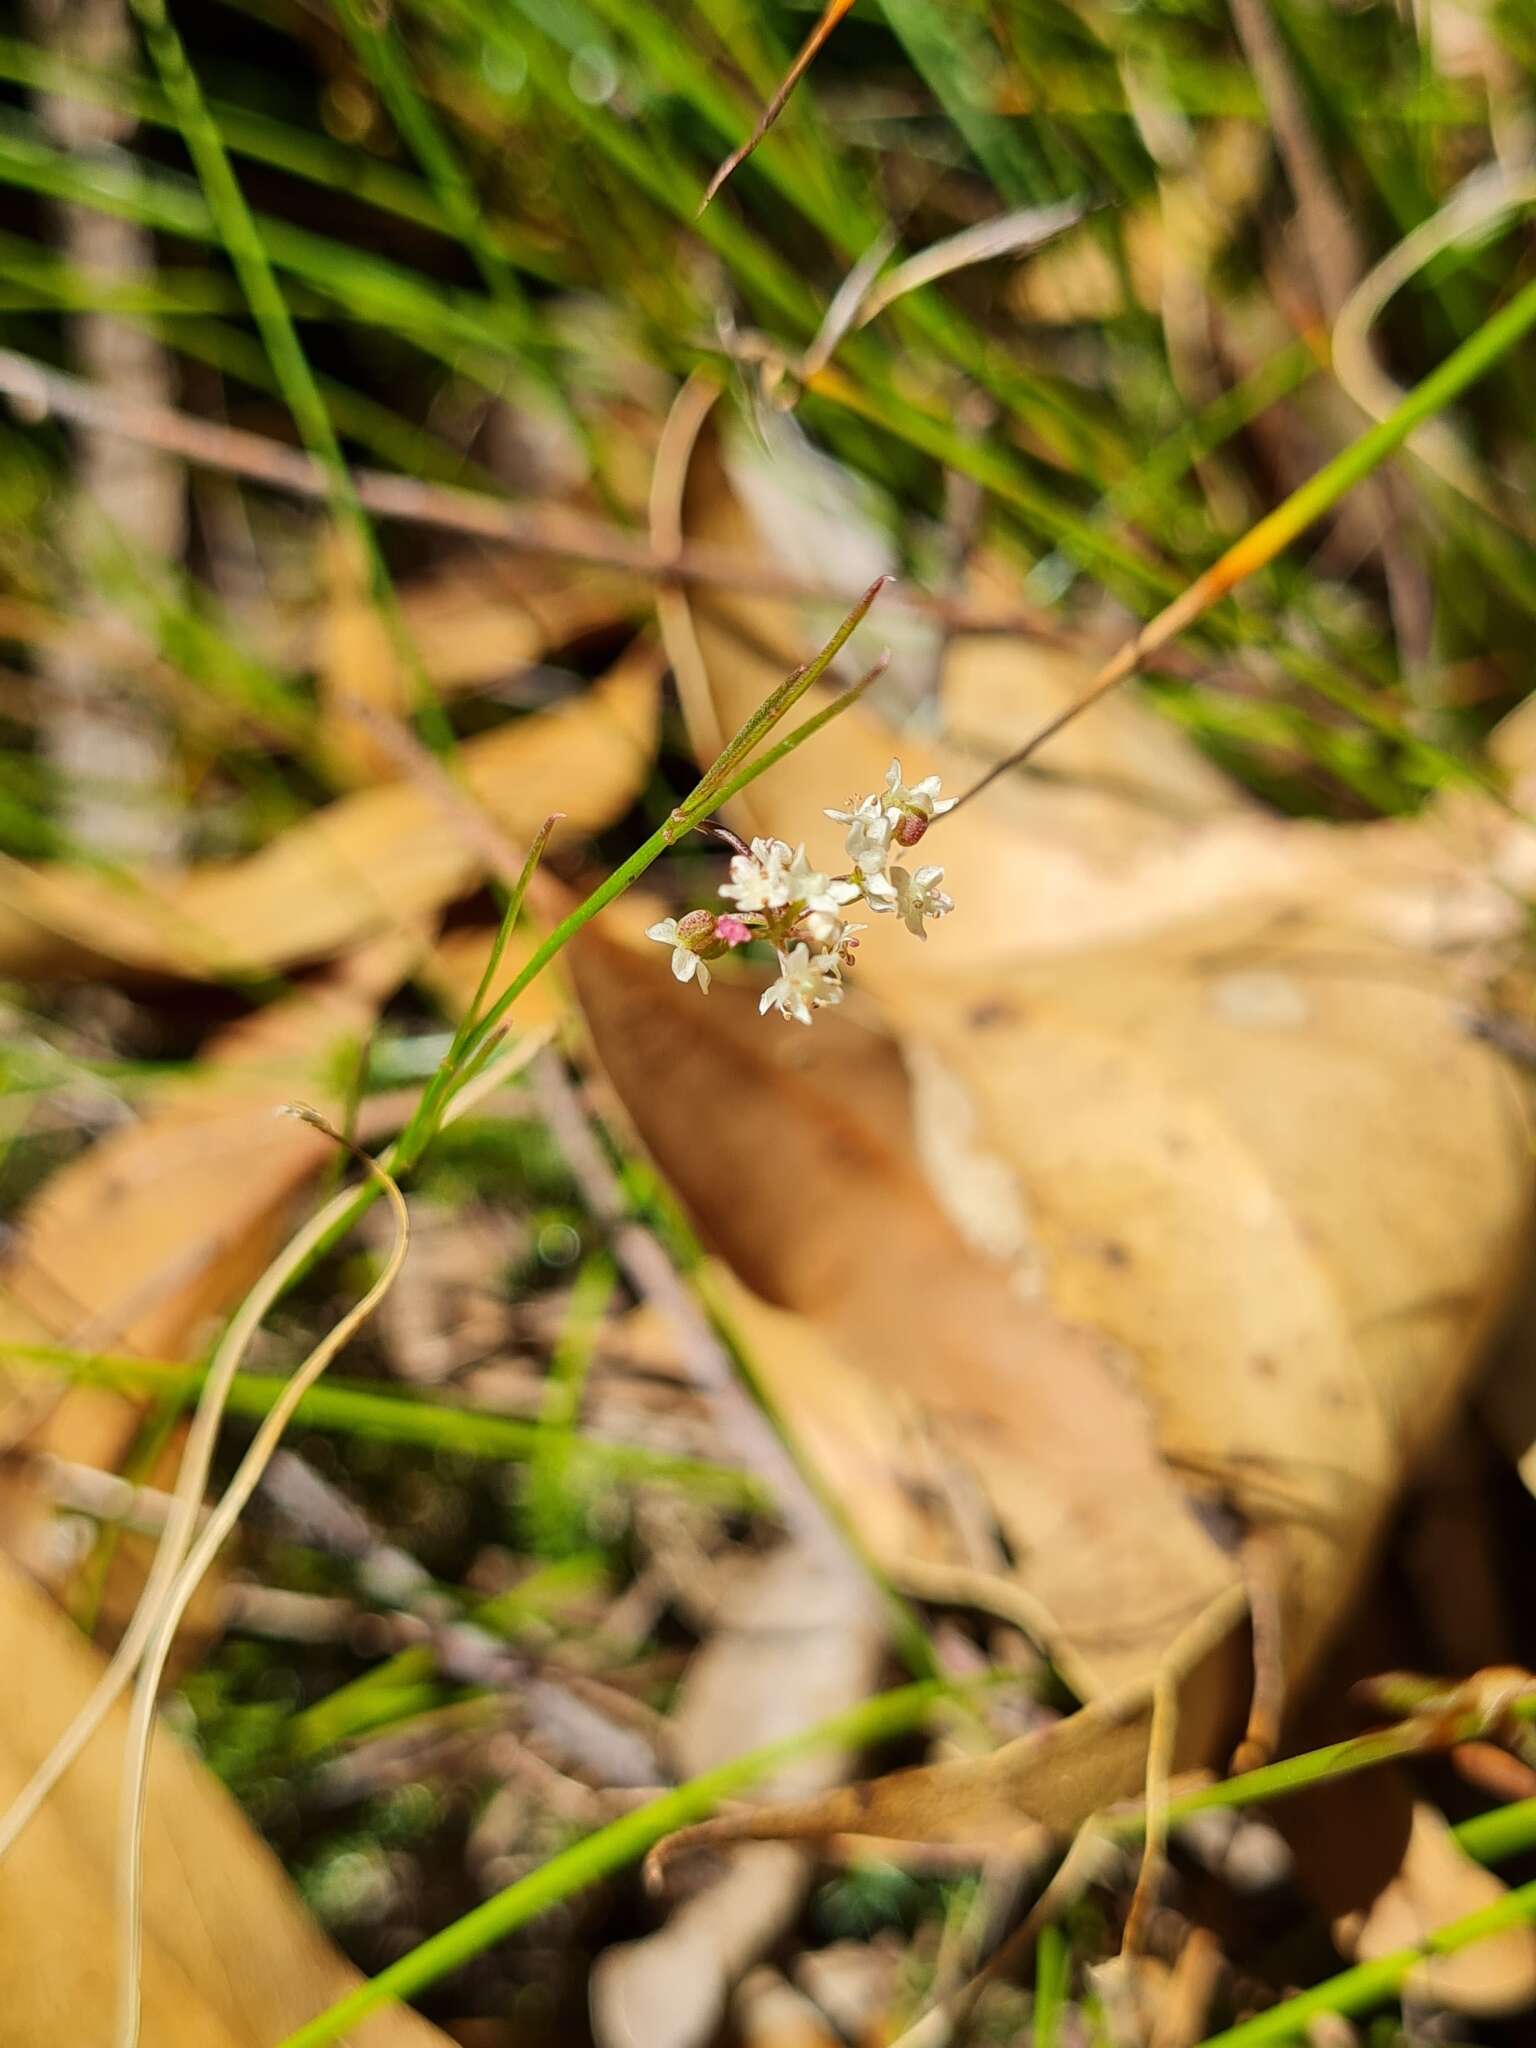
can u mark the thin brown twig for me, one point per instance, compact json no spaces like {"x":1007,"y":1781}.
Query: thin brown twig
{"x":830,"y":16}
{"x":38,"y":391}
{"x":748,"y":1434}
{"x":1188,"y":1649}
{"x":1262,"y":1578}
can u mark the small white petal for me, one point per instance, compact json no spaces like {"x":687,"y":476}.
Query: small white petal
{"x":685,"y":964}
{"x":703,"y":978}
{"x":664,"y":933}
{"x":922,"y":800}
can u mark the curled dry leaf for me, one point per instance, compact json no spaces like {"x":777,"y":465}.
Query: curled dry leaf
{"x":232,"y":1959}
{"x":363,"y":865}
{"x":1268,"y":1189}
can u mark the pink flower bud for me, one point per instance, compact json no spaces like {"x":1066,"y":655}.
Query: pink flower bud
{"x":911,"y":828}
{"x":732,"y":930}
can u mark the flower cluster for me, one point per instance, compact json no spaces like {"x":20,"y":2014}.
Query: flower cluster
{"x":775,"y":894}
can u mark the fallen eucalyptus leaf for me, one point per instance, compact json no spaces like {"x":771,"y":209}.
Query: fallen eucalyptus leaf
{"x":232,"y":1959}
{"x":361,"y":866}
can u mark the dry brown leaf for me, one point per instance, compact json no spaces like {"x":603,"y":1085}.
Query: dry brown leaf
{"x":232,"y":1959}
{"x":357,"y":670}
{"x":482,"y":622}
{"x":467,"y":626}
{"x":1385,"y":1868}
{"x":816,"y":1137}
{"x":1188,"y":1072}
{"x":1125,"y":832}
{"x":365,"y":864}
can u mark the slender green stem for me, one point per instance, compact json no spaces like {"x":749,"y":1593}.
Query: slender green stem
{"x":242,"y":240}
{"x":456,"y":327}
{"x":554,"y":1510}
{"x":808,"y":729}
{"x":1319,"y":494}
{"x":1291,"y":1774}
{"x":1369,"y":1984}
{"x":274,"y":322}
{"x":774,"y":709}
{"x":623,"y":1841}
{"x":409,"y":1683}
{"x":397,"y":1689}
{"x":298,"y":151}
{"x":453,"y":1070}
{"x":707,"y":793}
{"x":1441,"y":1730}
{"x":377,"y":45}
{"x":355,"y":1410}
{"x":1053,"y":1966}
{"x":1502,"y":1831}
{"x":610,"y":1849}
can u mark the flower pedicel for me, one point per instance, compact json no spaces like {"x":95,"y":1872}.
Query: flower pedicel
{"x":775,"y":894}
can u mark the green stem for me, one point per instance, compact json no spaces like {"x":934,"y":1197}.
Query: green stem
{"x":717,"y":781}
{"x":707,"y":792}
{"x":242,"y":240}
{"x":1369,"y":1984}
{"x":1462,"y":368}
{"x":802,"y":732}
{"x":1291,"y":1774}
{"x":1502,"y":1831}
{"x":314,"y":158}
{"x":354,"y":1410}
{"x":1053,"y":1970}
{"x":610,"y":1849}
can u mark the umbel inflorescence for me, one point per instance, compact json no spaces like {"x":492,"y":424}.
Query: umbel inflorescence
{"x":775,"y":894}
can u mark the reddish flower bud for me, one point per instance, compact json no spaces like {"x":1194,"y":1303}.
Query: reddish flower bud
{"x":911,"y":828}
{"x":696,"y":925}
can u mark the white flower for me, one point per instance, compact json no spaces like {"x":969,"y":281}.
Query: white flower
{"x":919,"y":896}
{"x":830,"y":934}
{"x":759,"y":879}
{"x":818,"y":892}
{"x":922,"y":800}
{"x":685,"y":965}
{"x":869,"y":836}
{"x":879,"y":892}
{"x":806,"y":982}
{"x":772,"y":877}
